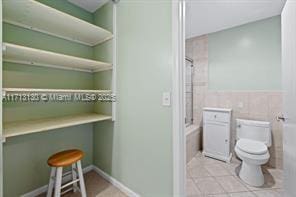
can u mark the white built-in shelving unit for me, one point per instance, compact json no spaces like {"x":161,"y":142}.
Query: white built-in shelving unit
{"x":17,"y":128}
{"x":36,"y":57}
{"x":36,"y":16}
{"x":39,"y":90}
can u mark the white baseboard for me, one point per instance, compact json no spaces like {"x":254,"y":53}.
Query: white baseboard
{"x":116,"y":183}
{"x":36,"y":192}
{"x":89,"y":168}
{"x":43,"y":189}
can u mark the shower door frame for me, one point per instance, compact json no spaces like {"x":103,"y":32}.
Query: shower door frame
{"x":191,"y":89}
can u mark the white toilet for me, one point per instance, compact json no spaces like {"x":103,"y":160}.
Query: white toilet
{"x":253,"y":140}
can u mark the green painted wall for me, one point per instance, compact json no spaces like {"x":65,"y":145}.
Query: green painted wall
{"x":247,"y":57}
{"x":24,"y":76}
{"x":104,"y":52}
{"x":69,"y":8}
{"x":25,"y":167}
{"x":22,"y":36}
{"x":137,"y":150}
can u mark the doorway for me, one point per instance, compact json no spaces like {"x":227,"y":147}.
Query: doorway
{"x":249,"y":102}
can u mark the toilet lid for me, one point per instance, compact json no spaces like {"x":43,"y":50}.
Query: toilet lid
{"x":251,"y":146}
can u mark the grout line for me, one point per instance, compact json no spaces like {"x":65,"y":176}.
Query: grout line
{"x":230,"y":175}
{"x":197,"y":187}
{"x":254,"y":194}
{"x":220,"y":185}
{"x":248,"y":190}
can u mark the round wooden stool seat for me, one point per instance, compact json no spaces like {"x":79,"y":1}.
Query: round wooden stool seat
{"x":65,"y":158}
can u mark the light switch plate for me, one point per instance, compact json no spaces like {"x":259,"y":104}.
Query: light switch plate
{"x":166,"y":99}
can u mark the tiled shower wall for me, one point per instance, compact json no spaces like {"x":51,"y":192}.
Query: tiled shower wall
{"x":193,"y":142}
{"x":256,"y":105}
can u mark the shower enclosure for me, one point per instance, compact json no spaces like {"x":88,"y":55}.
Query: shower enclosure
{"x":192,"y":132}
{"x":189,"y":92}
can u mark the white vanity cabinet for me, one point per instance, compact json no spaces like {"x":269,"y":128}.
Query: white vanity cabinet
{"x":216,"y":133}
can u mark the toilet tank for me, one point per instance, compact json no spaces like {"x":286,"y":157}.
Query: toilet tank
{"x":254,"y":130}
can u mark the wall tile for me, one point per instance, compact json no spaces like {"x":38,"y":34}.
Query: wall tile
{"x":277,"y":137}
{"x":225,"y":100}
{"x":241,"y":102}
{"x":275,"y":108}
{"x":258,"y":105}
{"x":211,"y":99}
{"x":193,"y":144}
{"x":198,"y":100}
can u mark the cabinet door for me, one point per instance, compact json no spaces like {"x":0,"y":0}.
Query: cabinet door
{"x":216,"y":138}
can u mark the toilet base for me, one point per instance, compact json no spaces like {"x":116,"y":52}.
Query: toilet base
{"x":251,"y":174}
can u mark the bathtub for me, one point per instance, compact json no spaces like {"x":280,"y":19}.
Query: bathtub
{"x":193,"y":141}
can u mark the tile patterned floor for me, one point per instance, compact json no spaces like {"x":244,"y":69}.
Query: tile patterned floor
{"x":208,"y":177}
{"x":96,"y":186}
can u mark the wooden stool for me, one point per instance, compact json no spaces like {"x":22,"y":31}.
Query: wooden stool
{"x":57,"y":162}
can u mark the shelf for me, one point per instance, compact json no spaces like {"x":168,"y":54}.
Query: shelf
{"x":39,"y":17}
{"x":32,"y":90}
{"x":17,"y":128}
{"x":25,"y":55}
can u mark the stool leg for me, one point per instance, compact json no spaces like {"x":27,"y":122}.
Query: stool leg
{"x":51,"y":182}
{"x":74,"y":176}
{"x":81,"y":180}
{"x":58,"y":183}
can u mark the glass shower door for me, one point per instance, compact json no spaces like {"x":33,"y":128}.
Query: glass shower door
{"x":189,"y":92}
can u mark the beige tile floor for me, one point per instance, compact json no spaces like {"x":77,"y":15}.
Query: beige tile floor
{"x":208,"y":177}
{"x":96,"y":186}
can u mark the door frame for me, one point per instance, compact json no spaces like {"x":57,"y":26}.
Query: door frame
{"x":1,"y":134}
{"x":178,"y":98}
{"x":288,"y":29}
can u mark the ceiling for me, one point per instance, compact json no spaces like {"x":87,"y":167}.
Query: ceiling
{"x":208,"y":16}
{"x":89,"y":5}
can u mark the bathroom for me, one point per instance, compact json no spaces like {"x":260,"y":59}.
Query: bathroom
{"x":232,"y":64}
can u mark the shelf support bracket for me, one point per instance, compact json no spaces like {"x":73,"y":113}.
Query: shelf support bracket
{"x":3,"y":47}
{"x":3,"y":139}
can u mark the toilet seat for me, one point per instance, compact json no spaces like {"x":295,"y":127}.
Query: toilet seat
{"x":252,"y":147}
{"x":252,"y":151}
